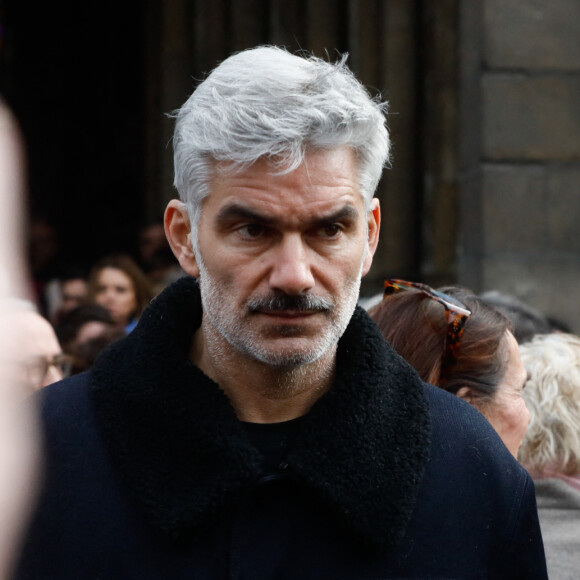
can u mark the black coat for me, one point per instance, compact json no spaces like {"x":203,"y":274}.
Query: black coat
{"x":150,"y":475}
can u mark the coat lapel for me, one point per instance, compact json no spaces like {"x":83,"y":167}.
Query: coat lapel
{"x":174,"y":438}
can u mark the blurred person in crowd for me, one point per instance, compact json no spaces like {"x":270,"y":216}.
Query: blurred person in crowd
{"x":459,"y":343}
{"x":156,"y":257}
{"x":86,"y":351}
{"x":526,"y":320}
{"x":44,"y":259}
{"x":84,"y":332}
{"x":551,"y":447}
{"x":117,"y":283}
{"x":19,"y":440}
{"x":32,"y":345}
{"x":558,"y":325}
{"x":151,"y":239}
{"x":163,"y":270}
{"x":256,"y":424}
{"x":72,"y":291}
{"x":82,"y":323}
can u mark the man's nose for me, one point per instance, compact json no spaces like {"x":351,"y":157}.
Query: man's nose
{"x":291,"y":270}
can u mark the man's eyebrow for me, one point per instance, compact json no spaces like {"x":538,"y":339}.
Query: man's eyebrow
{"x":347,"y":212}
{"x":236,"y":211}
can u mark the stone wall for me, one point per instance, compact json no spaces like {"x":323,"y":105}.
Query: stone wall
{"x":520,"y":152}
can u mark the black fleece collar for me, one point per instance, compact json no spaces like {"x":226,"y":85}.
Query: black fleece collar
{"x":173,"y":436}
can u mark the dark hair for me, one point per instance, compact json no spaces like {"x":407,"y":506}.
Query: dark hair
{"x":417,"y":329}
{"x":68,"y":327}
{"x":85,"y":354}
{"x":126,"y":264}
{"x":526,"y":321}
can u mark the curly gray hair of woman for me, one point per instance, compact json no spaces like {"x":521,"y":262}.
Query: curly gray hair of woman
{"x":552,"y":394}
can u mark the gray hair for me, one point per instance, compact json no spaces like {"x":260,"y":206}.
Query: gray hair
{"x":552,"y":395}
{"x":267,"y":103}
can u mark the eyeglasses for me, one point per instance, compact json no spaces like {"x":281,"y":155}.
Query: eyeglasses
{"x":456,"y":313}
{"x":37,"y":368}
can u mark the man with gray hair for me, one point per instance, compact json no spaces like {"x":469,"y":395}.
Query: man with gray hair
{"x":255,"y":424}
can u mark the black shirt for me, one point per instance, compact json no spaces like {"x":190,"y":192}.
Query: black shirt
{"x":273,"y":440}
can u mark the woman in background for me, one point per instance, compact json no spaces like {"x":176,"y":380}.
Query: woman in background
{"x":551,"y":447}
{"x":117,"y":283}
{"x":457,"y":342}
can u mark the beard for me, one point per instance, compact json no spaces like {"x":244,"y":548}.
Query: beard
{"x":283,"y":346}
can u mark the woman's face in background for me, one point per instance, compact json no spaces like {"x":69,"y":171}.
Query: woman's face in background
{"x":507,"y":412}
{"x":116,"y":293}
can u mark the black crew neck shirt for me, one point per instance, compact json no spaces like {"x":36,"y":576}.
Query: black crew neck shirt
{"x":273,"y":440}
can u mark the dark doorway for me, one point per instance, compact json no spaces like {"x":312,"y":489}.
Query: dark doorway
{"x":74,"y":76}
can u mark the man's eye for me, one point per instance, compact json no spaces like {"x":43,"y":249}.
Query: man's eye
{"x":252,"y":231}
{"x":330,"y":231}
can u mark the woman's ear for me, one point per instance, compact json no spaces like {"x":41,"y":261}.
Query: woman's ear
{"x":466,"y":394}
{"x":178,"y":232}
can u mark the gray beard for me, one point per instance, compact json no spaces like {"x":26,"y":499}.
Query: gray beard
{"x":236,"y":333}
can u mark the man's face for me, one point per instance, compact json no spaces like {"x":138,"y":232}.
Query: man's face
{"x":32,"y":344}
{"x":74,"y":293}
{"x":280,"y":257}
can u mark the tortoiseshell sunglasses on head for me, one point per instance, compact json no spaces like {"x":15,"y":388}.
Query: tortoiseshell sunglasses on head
{"x":456,"y":313}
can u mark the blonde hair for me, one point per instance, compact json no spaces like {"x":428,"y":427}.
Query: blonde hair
{"x":552,"y":394}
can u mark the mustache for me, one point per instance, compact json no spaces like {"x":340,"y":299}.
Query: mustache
{"x":285,"y":302}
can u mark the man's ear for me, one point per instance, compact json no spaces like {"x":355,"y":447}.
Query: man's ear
{"x":178,"y":232}
{"x":374,"y":226}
